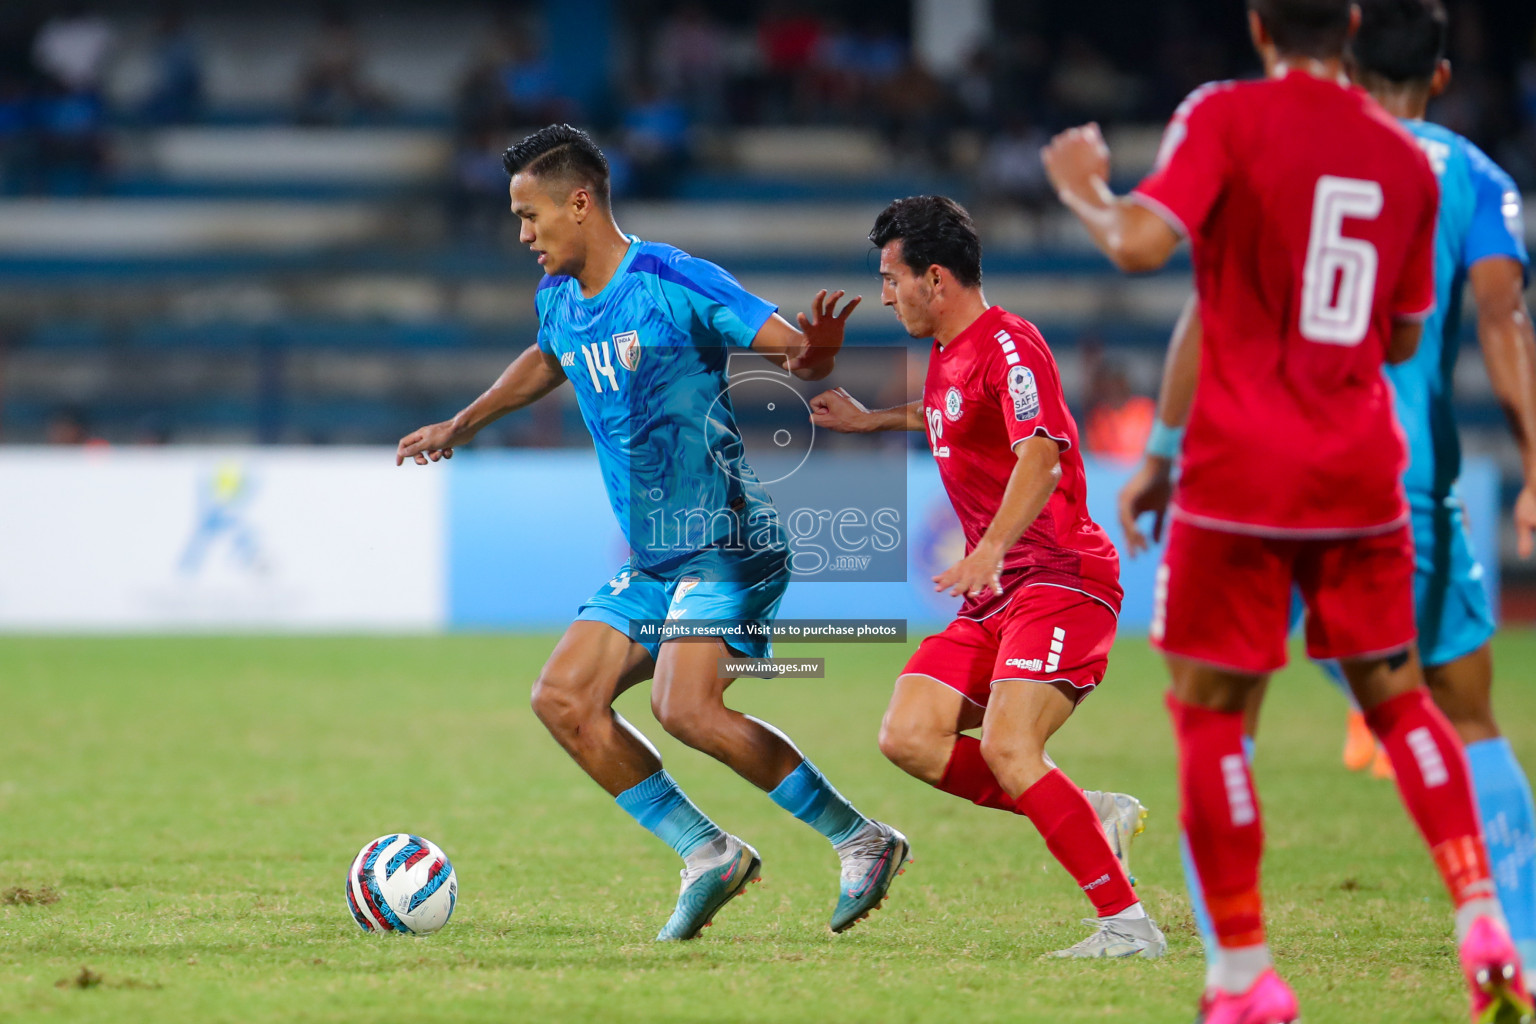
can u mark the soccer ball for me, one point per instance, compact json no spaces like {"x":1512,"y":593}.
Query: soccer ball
{"x":401,"y":883}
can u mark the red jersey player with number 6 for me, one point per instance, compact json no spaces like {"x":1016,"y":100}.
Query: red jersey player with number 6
{"x":1040,"y":578}
{"x":1311,"y":217}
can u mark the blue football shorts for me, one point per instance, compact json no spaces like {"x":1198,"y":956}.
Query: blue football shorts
{"x":738,"y":591}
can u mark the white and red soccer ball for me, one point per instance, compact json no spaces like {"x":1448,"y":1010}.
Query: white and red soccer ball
{"x":401,"y":883}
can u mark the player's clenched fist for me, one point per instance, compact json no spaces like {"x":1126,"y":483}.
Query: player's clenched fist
{"x":1075,"y":159}
{"x":838,"y":410}
{"x":429,"y":443}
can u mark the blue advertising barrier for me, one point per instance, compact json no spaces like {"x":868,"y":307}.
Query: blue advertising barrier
{"x":531,"y":536}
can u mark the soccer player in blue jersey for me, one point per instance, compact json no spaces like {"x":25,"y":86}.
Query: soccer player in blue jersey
{"x":643,"y":331}
{"x":1398,"y":57}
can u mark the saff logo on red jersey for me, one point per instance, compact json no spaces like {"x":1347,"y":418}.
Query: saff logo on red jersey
{"x":952,"y":403}
{"x":1026,"y":396}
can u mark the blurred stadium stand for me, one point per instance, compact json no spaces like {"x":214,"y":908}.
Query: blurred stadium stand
{"x":221,"y":223}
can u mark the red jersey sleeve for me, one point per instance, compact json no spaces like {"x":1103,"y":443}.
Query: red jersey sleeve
{"x":1192,"y":163}
{"x":1028,"y":391}
{"x":1414,"y":298}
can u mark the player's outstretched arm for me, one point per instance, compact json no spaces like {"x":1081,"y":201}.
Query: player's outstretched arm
{"x":838,"y":410}
{"x":1150,"y":488}
{"x":810,"y":352}
{"x":1035,"y":475}
{"x":1133,"y":237}
{"x":1509,"y":351}
{"x":529,"y":378}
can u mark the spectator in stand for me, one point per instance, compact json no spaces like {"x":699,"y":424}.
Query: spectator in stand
{"x":477,"y":204}
{"x":177,"y":94}
{"x":68,"y":427}
{"x":1010,"y":172}
{"x":333,"y":86}
{"x":916,"y":116}
{"x":512,"y":85}
{"x":1119,"y":421}
{"x":18,"y":157}
{"x":480,"y":101}
{"x":70,"y":53}
{"x":788,"y":36}
{"x":836,"y":89}
{"x":690,"y":62}
{"x":72,"y":48}
{"x":655,"y":141}
{"x":852,"y":67}
{"x":530,"y":88}
{"x":976,"y":91}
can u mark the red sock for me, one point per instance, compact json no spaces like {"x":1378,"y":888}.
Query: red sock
{"x":1436,"y":786}
{"x":967,"y":775}
{"x":1221,"y":819}
{"x":1076,"y":838}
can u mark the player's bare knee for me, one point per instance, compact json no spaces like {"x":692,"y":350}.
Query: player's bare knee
{"x":559,"y":702}
{"x":902,"y":743}
{"x":688,"y":722}
{"x":1010,"y":751}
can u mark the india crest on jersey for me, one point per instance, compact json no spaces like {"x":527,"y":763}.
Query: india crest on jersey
{"x":628,"y":346}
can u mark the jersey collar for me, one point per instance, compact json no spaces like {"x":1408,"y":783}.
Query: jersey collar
{"x":972,"y":330}
{"x":613,"y":282}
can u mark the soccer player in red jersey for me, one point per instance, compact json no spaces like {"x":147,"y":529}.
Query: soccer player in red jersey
{"x":1311,"y":217}
{"x":1041,"y":580}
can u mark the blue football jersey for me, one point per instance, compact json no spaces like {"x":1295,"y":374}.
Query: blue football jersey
{"x":1479,"y":217}
{"x":647,"y":356}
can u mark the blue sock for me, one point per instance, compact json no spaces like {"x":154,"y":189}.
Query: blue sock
{"x":658,"y":805}
{"x":807,"y":795}
{"x":1509,"y":827}
{"x":1192,"y":883}
{"x":1197,"y":902}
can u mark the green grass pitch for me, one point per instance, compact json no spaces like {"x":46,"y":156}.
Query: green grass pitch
{"x":186,"y":808}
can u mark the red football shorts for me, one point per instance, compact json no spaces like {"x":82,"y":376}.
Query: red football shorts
{"x":1045,"y":634}
{"x":1225,"y":598}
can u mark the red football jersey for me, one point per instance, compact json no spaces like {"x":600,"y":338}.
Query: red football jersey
{"x":994,"y":385}
{"x":1311,"y":217}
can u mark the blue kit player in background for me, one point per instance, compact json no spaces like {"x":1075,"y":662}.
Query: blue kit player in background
{"x":1397,"y":55}
{"x":643,"y":331}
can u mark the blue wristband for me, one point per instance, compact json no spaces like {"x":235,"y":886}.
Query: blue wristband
{"x":1165,"y":441}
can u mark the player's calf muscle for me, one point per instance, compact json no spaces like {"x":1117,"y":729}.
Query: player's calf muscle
{"x":1462,"y":691}
{"x":1017,"y":758}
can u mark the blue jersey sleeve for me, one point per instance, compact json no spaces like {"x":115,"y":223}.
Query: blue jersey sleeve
{"x":1497,"y":227}
{"x":700,"y":296}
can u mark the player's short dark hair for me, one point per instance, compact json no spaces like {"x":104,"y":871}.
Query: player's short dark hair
{"x":562,"y":153}
{"x":1400,"y":40}
{"x":933,"y":230}
{"x":1306,"y":28}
